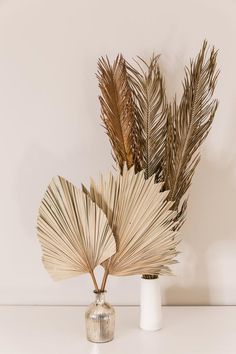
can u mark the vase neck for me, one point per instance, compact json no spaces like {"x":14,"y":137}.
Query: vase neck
{"x":99,"y":297}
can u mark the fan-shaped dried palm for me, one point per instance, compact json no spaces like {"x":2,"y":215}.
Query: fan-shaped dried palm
{"x":117,"y":110}
{"x":73,"y":232}
{"x":149,"y":92}
{"x":188,"y":126}
{"x":141,"y":221}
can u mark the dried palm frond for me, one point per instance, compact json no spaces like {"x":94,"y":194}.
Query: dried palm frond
{"x":141,"y":221}
{"x":151,"y":110}
{"x":188,"y":125}
{"x":149,"y":92}
{"x":73,"y":231}
{"x":117,"y":110}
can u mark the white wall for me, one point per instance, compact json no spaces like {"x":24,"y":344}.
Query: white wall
{"x":50,"y":125}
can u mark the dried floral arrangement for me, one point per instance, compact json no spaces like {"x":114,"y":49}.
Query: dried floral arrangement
{"x":128,"y":223}
{"x":124,"y":223}
{"x":152,"y":134}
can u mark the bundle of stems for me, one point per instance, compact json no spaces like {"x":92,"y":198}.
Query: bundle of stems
{"x":148,"y":132}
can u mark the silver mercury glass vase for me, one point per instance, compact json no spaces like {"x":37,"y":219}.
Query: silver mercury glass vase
{"x":100,"y":320}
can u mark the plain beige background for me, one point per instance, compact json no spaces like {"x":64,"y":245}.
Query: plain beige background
{"x":50,"y":125}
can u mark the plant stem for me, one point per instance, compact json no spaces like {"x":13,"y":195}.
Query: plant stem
{"x":94,"y":281}
{"x":104,"y":279}
{"x":149,"y":276}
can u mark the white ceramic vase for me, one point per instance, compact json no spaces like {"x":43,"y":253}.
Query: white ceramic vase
{"x":150,"y":305}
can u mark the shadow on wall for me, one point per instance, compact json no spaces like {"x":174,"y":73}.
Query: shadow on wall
{"x":204,"y":275}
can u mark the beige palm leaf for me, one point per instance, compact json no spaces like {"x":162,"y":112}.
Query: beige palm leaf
{"x":73,"y":231}
{"x":141,"y":221}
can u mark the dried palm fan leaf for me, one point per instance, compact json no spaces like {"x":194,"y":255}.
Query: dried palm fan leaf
{"x":150,"y":99}
{"x":188,"y":125}
{"x":117,"y":110}
{"x":73,"y":232}
{"x":142,"y":223}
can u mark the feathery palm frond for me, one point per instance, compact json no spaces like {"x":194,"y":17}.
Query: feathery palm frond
{"x":150,"y":99}
{"x":117,"y":110}
{"x":141,"y":221}
{"x":73,"y":231}
{"x":188,"y":124}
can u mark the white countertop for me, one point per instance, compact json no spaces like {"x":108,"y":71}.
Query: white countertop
{"x":61,"y":330}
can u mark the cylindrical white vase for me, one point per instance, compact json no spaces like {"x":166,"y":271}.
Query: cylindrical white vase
{"x":150,"y":305}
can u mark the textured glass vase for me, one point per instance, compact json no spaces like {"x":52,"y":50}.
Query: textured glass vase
{"x":100,"y":320}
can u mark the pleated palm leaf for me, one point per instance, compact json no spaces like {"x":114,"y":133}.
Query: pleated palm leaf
{"x":73,"y":231}
{"x":142,"y":223}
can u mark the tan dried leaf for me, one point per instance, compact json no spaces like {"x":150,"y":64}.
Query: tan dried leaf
{"x":189,"y":124}
{"x":117,"y":110}
{"x":148,"y":90}
{"x":73,"y":231}
{"x":141,"y":221}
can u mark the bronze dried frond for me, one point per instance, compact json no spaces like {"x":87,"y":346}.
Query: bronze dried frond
{"x":188,"y":124}
{"x":117,"y":110}
{"x":151,"y":112}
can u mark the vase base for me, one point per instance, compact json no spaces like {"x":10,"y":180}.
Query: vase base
{"x":100,"y":342}
{"x":151,"y":328}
